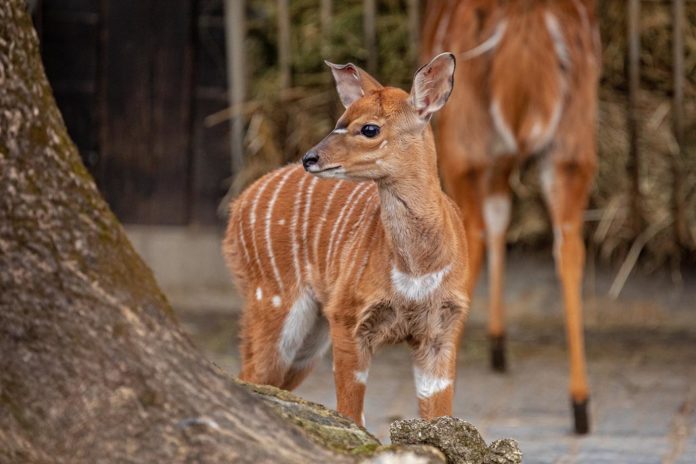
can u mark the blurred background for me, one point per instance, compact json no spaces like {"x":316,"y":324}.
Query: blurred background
{"x":176,"y":105}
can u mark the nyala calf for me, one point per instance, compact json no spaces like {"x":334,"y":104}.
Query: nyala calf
{"x":355,"y":248}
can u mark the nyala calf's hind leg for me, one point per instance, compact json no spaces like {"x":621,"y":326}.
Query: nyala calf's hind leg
{"x":261,"y":361}
{"x":315,"y":343}
{"x":282,"y":350}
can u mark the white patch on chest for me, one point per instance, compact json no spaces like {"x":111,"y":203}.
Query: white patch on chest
{"x":428,"y":385}
{"x":298,"y":323}
{"x":417,"y":288}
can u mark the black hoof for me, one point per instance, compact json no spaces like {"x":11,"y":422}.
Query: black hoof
{"x":498,"y":362}
{"x":581,"y":416}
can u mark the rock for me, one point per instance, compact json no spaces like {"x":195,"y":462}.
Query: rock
{"x":460,"y":441}
{"x":331,"y":430}
{"x":324,"y":426}
{"x":505,"y":451}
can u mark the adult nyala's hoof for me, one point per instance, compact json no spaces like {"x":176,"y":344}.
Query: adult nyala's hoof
{"x":581,"y":416}
{"x":498,"y":362}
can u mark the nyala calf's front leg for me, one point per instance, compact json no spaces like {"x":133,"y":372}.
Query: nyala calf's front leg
{"x":434,"y":372}
{"x":350,"y":365}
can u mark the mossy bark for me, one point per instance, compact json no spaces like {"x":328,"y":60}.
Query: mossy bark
{"x":93,"y":365}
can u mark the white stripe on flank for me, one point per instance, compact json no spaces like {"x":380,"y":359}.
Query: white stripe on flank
{"x":252,"y":218}
{"x":269,"y":214}
{"x":417,"y":288}
{"x":556,"y":33}
{"x":428,"y":385}
{"x":343,"y":217}
{"x":322,"y":218}
{"x":486,"y":46}
{"x":244,"y":245}
{"x":242,"y":240}
{"x":366,"y":259}
{"x":503,"y":129}
{"x":293,"y":229}
{"x":550,"y":130}
{"x":356,"y":238}
{"x":346,"y":225}
{"x":305,"y":222}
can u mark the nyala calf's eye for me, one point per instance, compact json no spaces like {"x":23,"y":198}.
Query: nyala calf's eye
{"x":370,"y":130}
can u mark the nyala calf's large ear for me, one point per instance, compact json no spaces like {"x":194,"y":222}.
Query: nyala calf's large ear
{"x":352,"y":82}
{"x":432,"y":85}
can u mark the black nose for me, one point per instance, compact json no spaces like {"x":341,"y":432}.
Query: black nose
{"x":310,"y":159}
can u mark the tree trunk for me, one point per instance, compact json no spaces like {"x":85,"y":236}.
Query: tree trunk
{"x":93,"y":365}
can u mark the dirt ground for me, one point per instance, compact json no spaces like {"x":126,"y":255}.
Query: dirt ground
{"x":641,"y":354}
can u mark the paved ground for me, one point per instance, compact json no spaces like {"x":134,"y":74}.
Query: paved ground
{"x":642,"y":363}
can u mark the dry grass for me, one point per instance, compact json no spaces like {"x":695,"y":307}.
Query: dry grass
{"x":282,"y":125}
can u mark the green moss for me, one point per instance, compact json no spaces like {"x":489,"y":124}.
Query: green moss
{"x":324,"y":426}
{"x":367,"y":449}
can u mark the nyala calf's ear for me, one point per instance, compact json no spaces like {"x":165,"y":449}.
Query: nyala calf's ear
{"x":432,"y":85}
{"x":352,"y":82}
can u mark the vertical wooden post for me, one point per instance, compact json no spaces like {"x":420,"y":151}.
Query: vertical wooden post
{"x":325,"y":13}
{"x":235,"y":32}
{"x":370,"y":32}
{"x":680,"y":228}
{"x":414,"y":30}
{"x":284,"y":43}
{"x":633,"y":71}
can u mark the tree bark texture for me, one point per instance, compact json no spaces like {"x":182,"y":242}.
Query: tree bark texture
{"x":93,"y":365}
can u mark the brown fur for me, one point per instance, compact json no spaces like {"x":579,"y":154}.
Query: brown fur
{"x":397,"y":218}
{"x":543,"y":80}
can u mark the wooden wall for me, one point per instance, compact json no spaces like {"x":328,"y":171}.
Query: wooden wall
{"x":134,"y":80}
